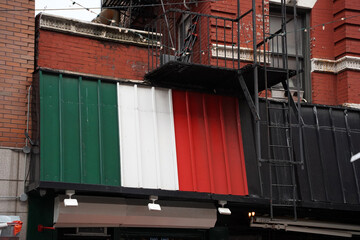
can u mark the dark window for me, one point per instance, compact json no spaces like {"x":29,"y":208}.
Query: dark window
{"x":301,"y":43}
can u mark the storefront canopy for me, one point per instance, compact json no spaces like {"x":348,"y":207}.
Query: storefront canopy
{"x":120,"y":212}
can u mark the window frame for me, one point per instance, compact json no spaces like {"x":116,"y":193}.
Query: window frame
{"x":304,"y":15}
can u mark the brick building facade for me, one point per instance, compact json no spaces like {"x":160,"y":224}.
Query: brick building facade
{"x":17,"y":64}
{"x":335,"y":52}
{"x":331,"y":60}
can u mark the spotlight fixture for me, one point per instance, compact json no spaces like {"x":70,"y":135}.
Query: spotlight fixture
{"x":154,"y":206}
{"x":70,"y":202}
{"x":223,"y":210}
{"x":251,"y":214}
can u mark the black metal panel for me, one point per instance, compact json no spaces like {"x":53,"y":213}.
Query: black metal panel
{"x":175,"y":74}
{"x":312,"y":153}
{"x":330,"y":169}
{"x":331,"y":135}
{"x":247,"y":130}
{"x":344,"y":154}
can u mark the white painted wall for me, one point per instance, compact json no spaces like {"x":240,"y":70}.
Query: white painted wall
{"x":147,"y":138}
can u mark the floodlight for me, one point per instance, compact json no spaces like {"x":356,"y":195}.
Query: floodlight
{"x":223,"y":210}
{"x":154,"y":206}
{"x":70,"y":202}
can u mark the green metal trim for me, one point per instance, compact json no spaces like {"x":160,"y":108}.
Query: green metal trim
{"x":41,"y":118}
{"x":61,"y":166}
{"x":101,"y":165}
{"x":80,"y":133}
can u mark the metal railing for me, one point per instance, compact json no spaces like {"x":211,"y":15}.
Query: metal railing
{"x":195,"y":38}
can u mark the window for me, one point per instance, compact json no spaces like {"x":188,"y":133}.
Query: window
{"x":187,"y":37}
{"x":301,"y":43}
{"x":184,"y":26}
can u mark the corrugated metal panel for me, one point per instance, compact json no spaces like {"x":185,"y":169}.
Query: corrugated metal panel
{"x":209,"y":144}
{"x":330,"y":137}
{"x":79,"y":126}
{"x":147,"y":138}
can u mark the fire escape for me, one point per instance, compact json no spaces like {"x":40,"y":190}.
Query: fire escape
{"x":195,"y":51}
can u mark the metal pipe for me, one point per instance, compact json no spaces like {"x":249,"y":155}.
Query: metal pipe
{"x":27,"y":115}
{"x":166,"y":21}
{"x":27,"y":130}
{"x":9,"y":197}
{"x":256,"y":96}
{"x":298,"y":87}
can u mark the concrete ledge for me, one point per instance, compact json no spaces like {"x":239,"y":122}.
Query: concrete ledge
{"x":335,"y":66}
{"x":93,"y":30}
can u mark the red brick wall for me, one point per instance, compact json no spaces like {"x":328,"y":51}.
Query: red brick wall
{"x":339,"y":39}
{"x":322,"y":40}
{"x":348,"y":89}
{"x":16,"y":67}
{"x":85,"y":55}
{"x":324,"y":88}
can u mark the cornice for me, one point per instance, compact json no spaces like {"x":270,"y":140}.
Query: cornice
{"x":246,"y":54}
{"x":92,"y":30}
{"x":335,"y":66}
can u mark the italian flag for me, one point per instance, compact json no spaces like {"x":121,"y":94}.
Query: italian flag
{"x":95,"y":131}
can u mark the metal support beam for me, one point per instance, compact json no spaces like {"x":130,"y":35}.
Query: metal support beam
{"x":248,"y":98}
{"x":292,"y":103}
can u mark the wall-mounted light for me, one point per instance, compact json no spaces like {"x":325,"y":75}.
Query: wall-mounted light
{"x":154,"y":206}
{"x":223,"y":210}
{"x":251,"y":214}
{"x":70,"y":202}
